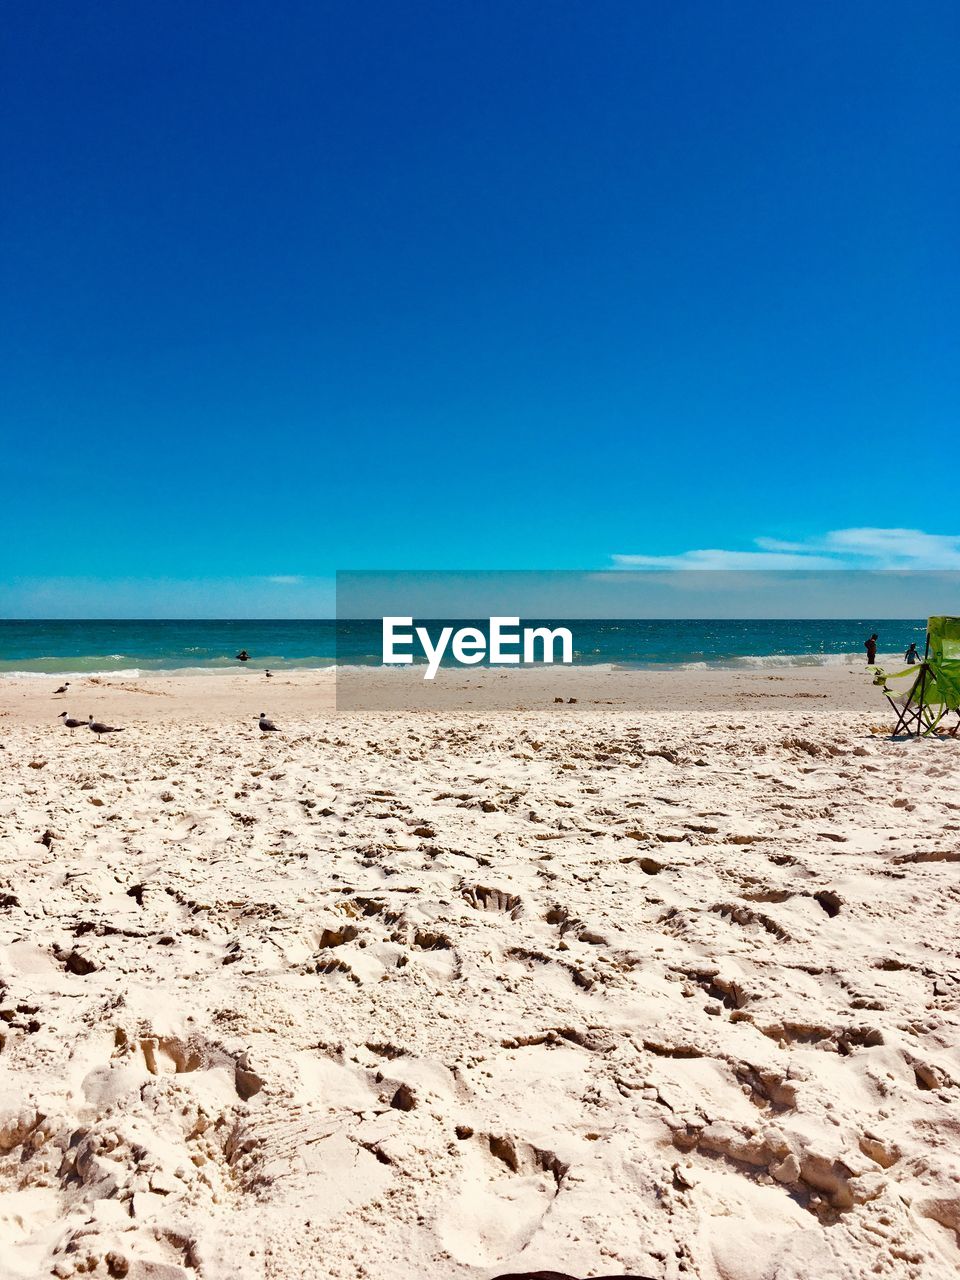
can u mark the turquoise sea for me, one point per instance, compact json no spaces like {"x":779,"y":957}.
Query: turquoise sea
{"x":134,"y":646}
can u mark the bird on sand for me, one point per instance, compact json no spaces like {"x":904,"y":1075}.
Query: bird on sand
{"x":268,"y":674}
{"x":267,"y":726}
{"x":100,"y":729}
{"x":70,"y":723}
{"x":63,"y":688}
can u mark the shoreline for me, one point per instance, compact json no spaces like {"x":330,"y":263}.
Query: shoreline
{"x":231,"y":697}
{"x":736,"y":662}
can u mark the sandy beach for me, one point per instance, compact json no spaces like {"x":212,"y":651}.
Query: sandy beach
{"x":663,"y":983}
{"x":463,"y":558}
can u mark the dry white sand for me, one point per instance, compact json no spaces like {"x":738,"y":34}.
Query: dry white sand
{"x":668,"y":989}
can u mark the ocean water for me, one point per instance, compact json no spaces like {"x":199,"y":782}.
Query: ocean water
{"x":127,"y":646}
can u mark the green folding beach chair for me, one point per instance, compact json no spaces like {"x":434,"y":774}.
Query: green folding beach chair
{"x":935,"y":687}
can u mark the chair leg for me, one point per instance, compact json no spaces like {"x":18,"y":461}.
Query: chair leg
{"x":908,"y":713}
{"x":899,"y":712}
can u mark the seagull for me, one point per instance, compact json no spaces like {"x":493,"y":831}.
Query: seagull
{"x":268,"y":674}
{"x":99,"y":728}
{"x":70,"y":723}
{"x":63,"y":688}
{"x":267,"y":726}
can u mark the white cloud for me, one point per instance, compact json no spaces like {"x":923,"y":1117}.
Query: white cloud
{"x":285,"y":579}
{"x":715,"y":558}
{"x":898,"y":548}
{"x":864,"y":548}
{"x":775,"y":544}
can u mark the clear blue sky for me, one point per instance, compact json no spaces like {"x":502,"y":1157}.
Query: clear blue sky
{"x":300,"y":286}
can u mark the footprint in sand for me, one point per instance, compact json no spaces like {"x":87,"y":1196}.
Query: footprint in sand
{"x":438,"y":954}
{"x":507,"y":1188}
{"x":482,"y":898}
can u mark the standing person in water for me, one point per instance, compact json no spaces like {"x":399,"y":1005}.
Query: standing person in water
{"x":911,"y":657}
{"x":871,"y":648}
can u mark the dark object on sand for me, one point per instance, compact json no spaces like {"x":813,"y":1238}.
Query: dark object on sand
{"x":99,"y":729}
{"x":561,"y":1275}
{"x":63,"y":688}
{"x":871,"y":648}
{"x":70,"y":723}
{"x":268,"y":674}
{"x":267,"y":726}
{"x":243,"y":656}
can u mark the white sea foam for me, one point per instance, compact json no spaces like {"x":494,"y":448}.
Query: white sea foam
{"x":768,"y":661}
{"x":745,"y":662}
{"x":129,"y":673}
